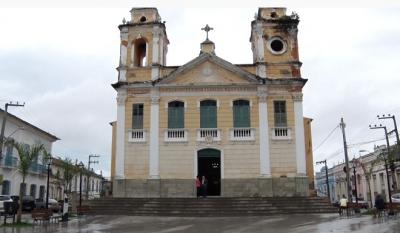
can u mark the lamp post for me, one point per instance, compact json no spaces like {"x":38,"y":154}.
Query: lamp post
{"x":355,"y":184}
{"x":80,"y":166}
{"x":326,"y":178}
{"x":48,"y":181}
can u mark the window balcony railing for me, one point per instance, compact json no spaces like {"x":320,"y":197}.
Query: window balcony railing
{"x":281,"y":133}
{"x":208,"y":134}
{"x":242,"y":134}
{"x":10,"y":161}
{"x":137,"y":135}
{"x":175,"y":135}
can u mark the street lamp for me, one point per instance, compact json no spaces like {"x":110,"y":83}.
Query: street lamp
{"x":355,"y":184}
{"x":48,"y":180}
{"x":80,"y":166}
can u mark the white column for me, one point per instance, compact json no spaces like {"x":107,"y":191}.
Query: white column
{"x":265,"y":167}
{"x":123,"y":54}
{"x":154,"y":172}
{"x":156,"y":46}
{"x":259,"y":41}
{"x":120,"y":144}
{"x":299,"y":130}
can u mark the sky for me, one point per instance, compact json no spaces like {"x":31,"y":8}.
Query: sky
{"x":61,"y":62}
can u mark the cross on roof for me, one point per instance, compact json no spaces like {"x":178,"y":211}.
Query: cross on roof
{"x":207,"y":29}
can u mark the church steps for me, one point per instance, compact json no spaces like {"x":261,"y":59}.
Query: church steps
{"x":209,"y":206}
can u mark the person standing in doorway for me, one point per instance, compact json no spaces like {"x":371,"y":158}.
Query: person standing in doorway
{"x":204,"y":183}
{"x":198,"y":185}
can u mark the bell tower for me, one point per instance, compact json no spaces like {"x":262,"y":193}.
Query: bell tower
{"x":274,"y":43}
{"x":144,"y":43}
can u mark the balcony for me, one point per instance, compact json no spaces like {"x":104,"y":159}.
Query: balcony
{"x":208,"y":135}
{"x":242,"y":134}
{"x":137,"y":135}
{"x":175,"y":135}
{"x":10,"y":161}
{"x":281,"y":133}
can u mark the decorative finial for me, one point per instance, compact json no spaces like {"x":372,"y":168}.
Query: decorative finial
{"x":207,"y":29}
{"x":124,"y":21}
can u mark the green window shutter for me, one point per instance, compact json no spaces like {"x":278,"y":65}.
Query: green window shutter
{"x":241,"y":114}
{"x":176,"y":116}
{"x":208,"y":114}
{"x":137,"y":116}
{"x":280,"y":115}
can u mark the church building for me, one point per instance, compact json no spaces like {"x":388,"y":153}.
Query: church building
{"x":239,"y":125}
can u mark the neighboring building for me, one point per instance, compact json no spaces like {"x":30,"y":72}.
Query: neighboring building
{"x":21,"y":131}
{"x":337,"y":178}
{"x":239,"y":125}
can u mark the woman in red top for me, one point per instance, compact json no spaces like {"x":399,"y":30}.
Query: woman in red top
{"x":198,"y":185}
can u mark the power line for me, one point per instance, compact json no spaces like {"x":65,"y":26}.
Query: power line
{"x":323,"y":141}
{"x":367,"y":142}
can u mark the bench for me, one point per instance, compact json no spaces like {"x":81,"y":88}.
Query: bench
{"x":353,"y":208}
{"x":10,"y":210}
{"x":395,"y":207}
{"x":42,"y":215}
{"x":84,"y":209}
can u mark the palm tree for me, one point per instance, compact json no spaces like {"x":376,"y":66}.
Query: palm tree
{"x":69,"y":172}
{"x":27,"y":155}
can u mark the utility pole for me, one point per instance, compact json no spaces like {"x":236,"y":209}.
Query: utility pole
{"x":343,"y":126}
{"x":3,"y":126}
{"x":389,"y":116}
{"x":326,"y":177}
{"x":386,"y":165}
{"x":88,"y":177}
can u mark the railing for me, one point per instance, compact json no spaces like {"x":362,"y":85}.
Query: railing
{"x":175,"y":135}
{"x":10,"y":161}
{"x":208,"y":134}
{"x":137,"y":135}
{"x":242,"y":134}
{"x":281,"y":133}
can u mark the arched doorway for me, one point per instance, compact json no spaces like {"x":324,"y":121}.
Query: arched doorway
{"x":209,"y":165}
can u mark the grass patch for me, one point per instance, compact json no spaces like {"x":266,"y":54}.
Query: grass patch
{"x":21,"y":224}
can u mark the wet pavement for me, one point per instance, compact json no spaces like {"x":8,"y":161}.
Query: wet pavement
{"x":277,"y":224}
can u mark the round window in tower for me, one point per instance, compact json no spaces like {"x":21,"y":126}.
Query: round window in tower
{"x":143,"y":19}
{"x":276,"y":45}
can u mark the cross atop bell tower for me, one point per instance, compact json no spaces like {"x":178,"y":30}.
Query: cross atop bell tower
{"x":207,"y":46}
{"x":207,"y":29}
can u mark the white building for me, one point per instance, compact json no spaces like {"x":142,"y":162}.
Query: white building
{"x":378,"y":178}
{"x":23,"y":132}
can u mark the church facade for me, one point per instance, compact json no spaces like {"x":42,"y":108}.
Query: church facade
{"x":241,"y":126}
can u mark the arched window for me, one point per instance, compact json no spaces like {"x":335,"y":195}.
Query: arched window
{"x":241,"y":114}
{"x":208,"y":114}
{"x":140,"y":52}
{"x":6,"y":186}
{"x":176,"y":115}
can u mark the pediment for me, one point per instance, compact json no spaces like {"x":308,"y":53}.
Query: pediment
{"x":208,"y":69}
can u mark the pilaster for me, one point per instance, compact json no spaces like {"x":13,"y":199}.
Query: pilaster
{"x":299,"y":132}
{"x":120,"y":142}
{"x":265,"y":167}
{"x":154,"y":171}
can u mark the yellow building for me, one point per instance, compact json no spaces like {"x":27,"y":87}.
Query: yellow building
{"x":241,"y":126}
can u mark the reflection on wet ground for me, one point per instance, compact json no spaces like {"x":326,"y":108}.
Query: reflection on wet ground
{"x":277,"y":224}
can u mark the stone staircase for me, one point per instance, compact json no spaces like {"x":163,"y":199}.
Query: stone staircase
{"x":220,"y":206}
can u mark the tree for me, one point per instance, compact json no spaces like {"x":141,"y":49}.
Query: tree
{"x":367,"y":174}
{"x":70,"y":171}
{"x":27,"y":155}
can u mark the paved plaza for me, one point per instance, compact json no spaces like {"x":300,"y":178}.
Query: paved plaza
{"x":276,"y":224}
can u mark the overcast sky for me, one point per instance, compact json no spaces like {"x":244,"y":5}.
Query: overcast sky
{"x":61,"y":62}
